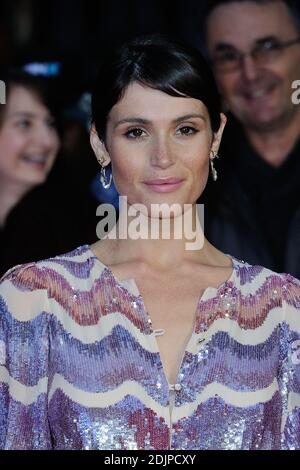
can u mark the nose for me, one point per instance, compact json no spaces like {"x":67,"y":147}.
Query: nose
{"x":162,"y":154}
{"x":249,"y":68}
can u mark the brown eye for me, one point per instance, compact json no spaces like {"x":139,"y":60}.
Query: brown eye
{"x":187,"y":130}
{"x":23,"y":124}
{"x":134,"y":133}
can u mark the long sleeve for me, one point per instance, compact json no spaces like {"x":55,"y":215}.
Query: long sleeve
{"x":24,"y":352}
{"x":289,"y":376}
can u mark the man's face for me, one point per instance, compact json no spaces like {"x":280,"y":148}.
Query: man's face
{"x":257,"y":92}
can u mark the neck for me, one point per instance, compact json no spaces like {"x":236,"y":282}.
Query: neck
{"x":10,"y":194}
{"x":163,"y":244}
{"x":274,"y":145}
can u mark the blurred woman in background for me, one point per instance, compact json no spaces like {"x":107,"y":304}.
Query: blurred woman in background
{"x":39,"y":208}
{"x":29,"y":140}
{"x":29,"y":144}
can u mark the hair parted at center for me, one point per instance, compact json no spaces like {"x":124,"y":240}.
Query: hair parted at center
{"x":159,"y":63}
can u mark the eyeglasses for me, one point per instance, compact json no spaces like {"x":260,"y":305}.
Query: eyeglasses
{"x":265,"y":51}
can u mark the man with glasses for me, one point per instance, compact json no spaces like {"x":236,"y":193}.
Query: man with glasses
{"x":253,"y":211}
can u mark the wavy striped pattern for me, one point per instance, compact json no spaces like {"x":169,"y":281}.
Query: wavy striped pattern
{"x":80,"y":366}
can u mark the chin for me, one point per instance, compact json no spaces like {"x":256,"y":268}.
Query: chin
{"x":265,"y":123}
{"x":34,"y":180}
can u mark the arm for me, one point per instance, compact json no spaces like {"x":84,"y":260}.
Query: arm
{"x":24,"y":351}
{"x":289,"y":377}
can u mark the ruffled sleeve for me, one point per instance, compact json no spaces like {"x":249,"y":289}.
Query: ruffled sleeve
{"x":24,"y":352}
{"x":289,"y":375}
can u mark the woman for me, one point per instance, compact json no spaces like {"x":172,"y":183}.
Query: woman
{"x":29,"y":144}
{"x":37,"y":219}
{"x":143,"y":343}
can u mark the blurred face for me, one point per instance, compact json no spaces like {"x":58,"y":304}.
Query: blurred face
{"x":28,"y":139}
{"x":154,"y":136}
{"x":259,"y":91}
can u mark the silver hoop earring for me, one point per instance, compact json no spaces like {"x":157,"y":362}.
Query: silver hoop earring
{"x":214,"y":172}
{"x":103,"y":178}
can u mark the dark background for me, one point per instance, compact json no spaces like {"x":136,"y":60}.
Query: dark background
{"x":82,"y":28}
{"x":75,"y":32}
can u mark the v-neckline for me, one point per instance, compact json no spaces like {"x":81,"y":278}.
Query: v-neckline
{"x":130,"y":286}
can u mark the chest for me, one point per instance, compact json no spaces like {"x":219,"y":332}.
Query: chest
{"x":172,"y":308}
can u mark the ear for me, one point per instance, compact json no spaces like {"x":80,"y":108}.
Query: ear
{"x":99,"y":148}
{"x":218,"y":135}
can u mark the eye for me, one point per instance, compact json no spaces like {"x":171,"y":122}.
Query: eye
{"x":187,"y":130}
{"x":270,"y":45}
{"x":23,"y":123}
{"x":134,"y":133}
{"x":227,"y":56}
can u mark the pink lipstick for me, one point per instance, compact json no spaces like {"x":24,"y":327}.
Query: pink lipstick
{"x":164,"y":185}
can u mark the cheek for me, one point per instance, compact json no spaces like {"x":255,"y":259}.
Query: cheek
{"x":227,"y":83}
{"x":12,"y":145}
{"x":122,"y":169}
{"x":8,"y":160}
{"x":290,"y":74}
{"x":201,"y":169}
{"x":55,"y":142}
{"x":126,"y":162}
{"x":196,"y":162}
{"x":280,"y":70}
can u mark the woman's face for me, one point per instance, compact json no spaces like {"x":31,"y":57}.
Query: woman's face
{"x":29,"y":141}
{"x":152,"y":135}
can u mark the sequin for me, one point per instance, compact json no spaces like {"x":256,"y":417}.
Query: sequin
{"x":80,"y":368}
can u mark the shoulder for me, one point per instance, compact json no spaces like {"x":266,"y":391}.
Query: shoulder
{"x":291,"y":292}
{"x":27,"y":288}
{"x":267,"y":295}
{"x":258,"y":279}
{"x":79,"y":257}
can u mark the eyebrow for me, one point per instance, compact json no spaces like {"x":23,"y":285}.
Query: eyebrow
{"x":137,"y":120}
{"x":22,"y":113}
{"x":224,"y":45}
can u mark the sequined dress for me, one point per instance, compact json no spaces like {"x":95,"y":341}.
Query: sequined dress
{"x":80,"y":367}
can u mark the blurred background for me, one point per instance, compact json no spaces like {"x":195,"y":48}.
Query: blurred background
{"x":78,"y":29}
{"x":62,"y":42}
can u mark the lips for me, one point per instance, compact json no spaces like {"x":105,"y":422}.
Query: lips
{"x":164,"y":185}
{"x":167,"y":180}
{"x":37,"y":162}
{"x":258,"y":92}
